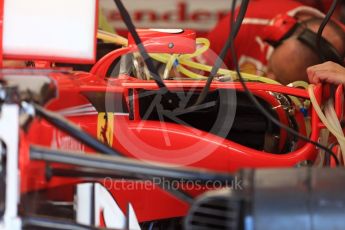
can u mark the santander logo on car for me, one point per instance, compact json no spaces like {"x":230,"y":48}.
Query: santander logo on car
{"x":193,"y":14}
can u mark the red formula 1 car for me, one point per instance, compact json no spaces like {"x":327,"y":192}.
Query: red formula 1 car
{"x":109,"y":148}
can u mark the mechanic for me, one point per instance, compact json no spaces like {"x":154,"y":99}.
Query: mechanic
{"x":289,"y":60}
{"x":326,"y":72}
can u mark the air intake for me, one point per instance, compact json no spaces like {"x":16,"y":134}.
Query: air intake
{"x":214,"y":211}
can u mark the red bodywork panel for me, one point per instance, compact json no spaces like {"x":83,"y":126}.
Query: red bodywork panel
{"x":144,"y":140}
{"x":166,"y":40}
{"x":77,"y":95}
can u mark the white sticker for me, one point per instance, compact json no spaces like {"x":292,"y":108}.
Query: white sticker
{"x":169,"y":31}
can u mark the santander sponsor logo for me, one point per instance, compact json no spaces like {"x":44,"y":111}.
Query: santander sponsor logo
{"x":194,"y":14}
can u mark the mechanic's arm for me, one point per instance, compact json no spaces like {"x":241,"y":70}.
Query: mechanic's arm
{"x":326,"y":72}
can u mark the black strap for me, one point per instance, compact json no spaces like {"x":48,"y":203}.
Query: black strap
{"x":329,"y":53}
{"x":235,"y":27}
{"x":147,"y":59}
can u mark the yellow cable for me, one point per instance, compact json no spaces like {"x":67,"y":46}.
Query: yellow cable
{"x":110,"y":37}
{"x":185,"y":60}
{"x":205,"y":46}
{"x":169,"y":66}
{"x":330,"y":120}
{"x":333,"y":119}
{"x":301,"y":84}
{"x":195,"y":65}
{"x":339,"y":136}
{"x":189,"y":73}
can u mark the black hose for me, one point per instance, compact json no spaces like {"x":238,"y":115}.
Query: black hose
{"x":233,"y":32}
{"x":264,"y":111}
{"x":327,"y":157}
{"x":322,"y":27}
{"x":147,"y":59}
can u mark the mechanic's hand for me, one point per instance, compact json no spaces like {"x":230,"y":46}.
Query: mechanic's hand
{"x":326,"y":72}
